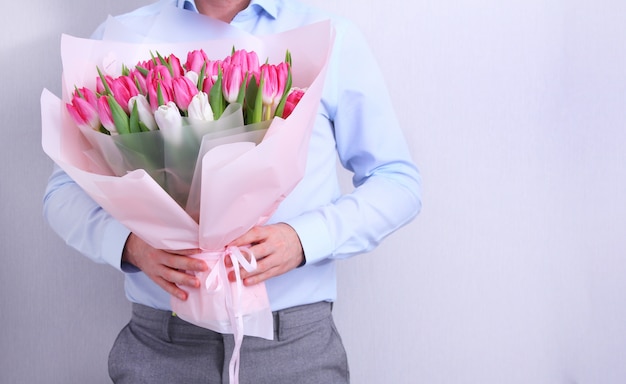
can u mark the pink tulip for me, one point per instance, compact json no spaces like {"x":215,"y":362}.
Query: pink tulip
{"x":159,"y":89}
{"x":274,"y":80}
{"x":147,"y":65}
{"x":293,"y":98}
{"x":213,"y":67}
{"x":162,"y":73}
{"x":195,"y":60}
{"x":100,"y":88}
{"x":231,"y":83}
{"x":211,"y":72}
{"x":174,"y":62}
{"x":207,"y":84}
{"x":183,"y":90}
{"x":106,"y":117}
{"x":88,"y":95}
{"x":253,"y":62}
{"x":248,"y":61}
{"x":139,"y":80}
{"x":282,"y":70}
{"x":158,"y":81}
{"x":123,"y":88}
{"x":171,"y":62}
{"x":84,"y":114}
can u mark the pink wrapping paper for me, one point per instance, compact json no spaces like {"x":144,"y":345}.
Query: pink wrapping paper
{"x":242,"y":183}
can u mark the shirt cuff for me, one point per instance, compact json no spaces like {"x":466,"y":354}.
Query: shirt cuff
{"x":113,"y":243}
{"x":316,"y":241}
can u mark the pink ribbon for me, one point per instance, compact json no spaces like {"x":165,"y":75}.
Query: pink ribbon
{"x":213,"y":283}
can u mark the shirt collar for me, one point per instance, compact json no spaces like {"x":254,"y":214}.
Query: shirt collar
{"x":268,"y":6}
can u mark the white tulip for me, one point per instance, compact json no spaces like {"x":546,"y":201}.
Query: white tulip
{"x":170,"y":122}
{"x":145,"y":113}
{"x":199,"y":108}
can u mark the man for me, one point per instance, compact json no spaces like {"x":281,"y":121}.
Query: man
{"x":296,"y":251}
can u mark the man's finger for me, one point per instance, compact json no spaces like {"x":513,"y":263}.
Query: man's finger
{"x":184,"y":263}
{"x":171,"y":288}
{"x":181,"y":278}
{"x":253,"y":236}
{"x":261,"y":277}
{"x":186,"y":252}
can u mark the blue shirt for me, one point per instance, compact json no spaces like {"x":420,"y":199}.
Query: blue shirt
{"x":356,"y":124}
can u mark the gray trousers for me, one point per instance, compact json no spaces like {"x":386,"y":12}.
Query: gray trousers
{"x":156,"y":347}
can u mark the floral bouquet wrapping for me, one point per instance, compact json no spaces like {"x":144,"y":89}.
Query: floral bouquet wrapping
{"x":199,"y":182}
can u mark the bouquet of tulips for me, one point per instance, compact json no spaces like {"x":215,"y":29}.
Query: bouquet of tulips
{"x":192,"y":155}
{"x":153,"y":116}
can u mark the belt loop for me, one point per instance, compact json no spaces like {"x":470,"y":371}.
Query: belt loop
{"x":276,"y":316}
{"x":167,"y":318}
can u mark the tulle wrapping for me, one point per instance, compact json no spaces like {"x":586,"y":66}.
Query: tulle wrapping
{"x":172,"y":159}
{"x":239,"y":177}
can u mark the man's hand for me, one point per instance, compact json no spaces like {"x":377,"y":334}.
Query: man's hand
{"x":166,"y":268}
{"x":276,"y":248}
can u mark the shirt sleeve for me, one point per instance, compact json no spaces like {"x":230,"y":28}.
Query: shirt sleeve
{"x":78,"y":219}
{"x":82,"y":223}
{"x":370,"y":144}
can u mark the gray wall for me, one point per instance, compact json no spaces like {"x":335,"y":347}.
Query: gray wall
{"x":515,"y":272}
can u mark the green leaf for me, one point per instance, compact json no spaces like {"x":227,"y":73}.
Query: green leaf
{"x":283,"y":100}
{"x":160,"y":100}
{"x":141,"y":90}
{"x":79,"y":92}
{"x":120,"y":118}
{"x":288,"y":58}
{"x":133,"y":121}
{"x":216,"y":96}
{"x":166,"y":63}
{"x":250,"y":99}
{"x":161,"y":59}
{"x":201,"y":76}
{"x":257,"y":113}
{"x":242,"y":89}
{"x":104,"y":82}
{"x":142,"y":70}
{"x":143,"y":127}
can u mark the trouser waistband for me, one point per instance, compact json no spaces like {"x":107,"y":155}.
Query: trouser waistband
{"x":283,"y":319}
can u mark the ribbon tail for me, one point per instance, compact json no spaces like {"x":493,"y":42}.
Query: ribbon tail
{"x":233,"y":367}
{"x":234,"y":312}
